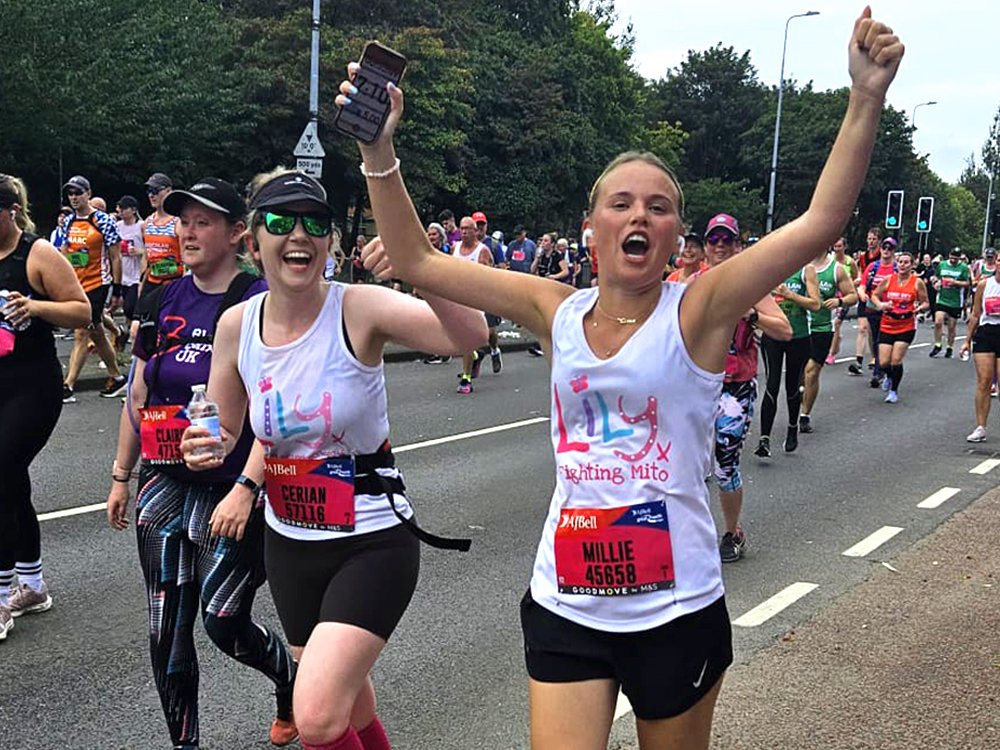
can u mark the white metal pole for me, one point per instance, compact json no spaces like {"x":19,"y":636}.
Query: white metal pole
{"x":777,"y":123}
{"x":314,"y":66}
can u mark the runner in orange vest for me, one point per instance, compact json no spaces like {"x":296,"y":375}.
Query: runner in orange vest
{"x":900,"y":297}
{"x":89,"y":240}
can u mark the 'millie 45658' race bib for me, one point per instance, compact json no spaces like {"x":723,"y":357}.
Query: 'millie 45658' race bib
{"x":614,"y":551}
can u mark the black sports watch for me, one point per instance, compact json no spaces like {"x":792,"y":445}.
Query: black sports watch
{"x":248,"y":483}
{"x":753,"y":318}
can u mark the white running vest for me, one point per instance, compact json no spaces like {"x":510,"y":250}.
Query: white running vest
{"x":991,"y":303}
{"x":313,"y":399}
{"x":473,"y":256}
{"x":634,"y":429}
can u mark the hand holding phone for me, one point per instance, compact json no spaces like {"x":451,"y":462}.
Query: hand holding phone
{"x":366,"y":104}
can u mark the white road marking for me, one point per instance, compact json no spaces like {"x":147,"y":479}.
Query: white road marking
{"x":768,"y":609}
{"x":939,"y":497}
{"x":71,"y":512}
{"x":986,"y":466}
{"x":872,"y":542}
{"x":912,"y":346}
{"x":622,"y":707}
{"x":472,"y":434}
{"x":399,"y":449}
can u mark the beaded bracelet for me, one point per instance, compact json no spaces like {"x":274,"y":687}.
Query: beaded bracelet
{"x":379,"y":175}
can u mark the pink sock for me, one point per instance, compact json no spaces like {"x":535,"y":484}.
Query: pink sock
{"x":347,"y":741}
{"x":373,"y":736}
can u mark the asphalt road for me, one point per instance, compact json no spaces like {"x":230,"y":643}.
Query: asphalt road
{"x":452,"y":677}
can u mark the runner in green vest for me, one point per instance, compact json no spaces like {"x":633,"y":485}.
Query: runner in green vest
{"x":950,"y":279}
{"x":799,"y":294}
{"x":836,"y":292}
{"x":853,"y":272}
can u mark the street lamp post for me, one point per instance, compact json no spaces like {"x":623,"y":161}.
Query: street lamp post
{"x":989,"y":207}
{"x":777,"y":122}
{"x":913,"y":116}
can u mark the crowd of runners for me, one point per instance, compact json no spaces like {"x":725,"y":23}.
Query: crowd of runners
{"x":300,"y":486}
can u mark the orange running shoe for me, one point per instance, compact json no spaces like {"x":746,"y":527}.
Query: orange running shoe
{"x":283,"y":732}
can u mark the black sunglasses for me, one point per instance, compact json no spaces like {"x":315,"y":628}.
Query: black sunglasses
{"x":153,"y":190}
{"x":281,"y":223}
{"x":74,"y":193}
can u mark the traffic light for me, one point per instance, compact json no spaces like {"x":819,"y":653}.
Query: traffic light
{"x":894,"y":210}
{"x":925,"y":214}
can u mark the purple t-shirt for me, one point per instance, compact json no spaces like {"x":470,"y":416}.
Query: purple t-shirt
{"x":187,"y":312}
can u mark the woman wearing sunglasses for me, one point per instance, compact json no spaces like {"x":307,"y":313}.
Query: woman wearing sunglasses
{"x":341,"y":548}
{"x":627,"y":587}
{"x":199,"y":533}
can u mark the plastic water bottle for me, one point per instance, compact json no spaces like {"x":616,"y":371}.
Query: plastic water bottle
{"x":205,"y":413}
{"x":4,"y":299}
{"x":964,"y":355}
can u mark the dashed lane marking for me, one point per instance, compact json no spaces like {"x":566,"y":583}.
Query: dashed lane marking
{"x":986,"y":466}
{"x":941,"y":496}
{"x":780,"y":601}
{"x":399,"y":449}
{"x":872,"y":542}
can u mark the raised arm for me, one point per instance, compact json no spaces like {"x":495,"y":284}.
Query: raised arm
{"x":874,"y":56}
{"x":528,"y":300}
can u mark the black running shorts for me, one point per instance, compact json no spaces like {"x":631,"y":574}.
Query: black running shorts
{"x":889,"y":339}
{"x":987,"y":340}
{"x":955,"y":313}
{"x":365,"y":580}
{"x":663,"y":672}
{"x":819,"y":346}
{"x":98,"y":298}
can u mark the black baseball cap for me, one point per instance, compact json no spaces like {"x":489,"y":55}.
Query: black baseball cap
{"x":159,"y":181}
{"x":128,"y":201}
{"x":211,"y":192}
{"x":291,"y":187}
{"x":79,"y":182}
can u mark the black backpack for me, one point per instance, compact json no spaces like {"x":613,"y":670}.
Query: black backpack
{"x":149,"y":335}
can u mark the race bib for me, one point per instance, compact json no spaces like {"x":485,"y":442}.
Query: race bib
{"x":517,"y":255}
{"x":163,"y":267}
{"x":312,"y":493}
{"x":78,"y":258}
{"x":614,"y":551}
{"x":991,"y":305}
{"x":160,"y":430}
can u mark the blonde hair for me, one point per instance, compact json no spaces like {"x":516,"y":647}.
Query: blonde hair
{"x":646,"y":157}
{"x":23,"y":216}
{"x":254,"y":217}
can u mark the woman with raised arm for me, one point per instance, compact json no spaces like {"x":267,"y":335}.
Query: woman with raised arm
{"x":341,"y":547}
{"x":627,"y":588}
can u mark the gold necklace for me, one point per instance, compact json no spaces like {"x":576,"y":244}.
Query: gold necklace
{"x":622,"y":321}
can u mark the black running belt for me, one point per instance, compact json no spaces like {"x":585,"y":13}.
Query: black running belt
{"x":367,"y":478}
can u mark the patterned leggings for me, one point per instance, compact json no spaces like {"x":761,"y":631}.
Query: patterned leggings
{"x":186,"y":572}
{"x":732,"y":421}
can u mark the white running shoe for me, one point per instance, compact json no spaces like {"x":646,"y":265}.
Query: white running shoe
{"x":978,"y":435}
{"x":25,"y":600}
{"x":6,"y":621}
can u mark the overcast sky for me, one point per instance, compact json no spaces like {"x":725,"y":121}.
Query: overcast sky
{"x":950,"y":55}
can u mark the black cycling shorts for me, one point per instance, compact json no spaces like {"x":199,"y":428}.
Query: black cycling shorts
{"x":365,"y":580}
{"x":663,"y":671}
